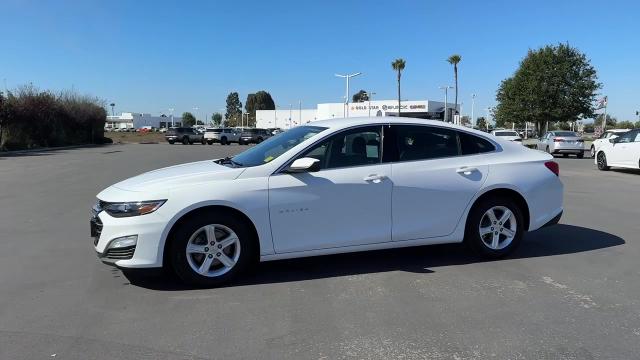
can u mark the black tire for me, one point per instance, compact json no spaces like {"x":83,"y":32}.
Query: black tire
{"x":171,"y":142}
{"x":548,"y":150}
{"x":593,"y":151}
{"x":472,"y":237}
{"x":223,"y":140}
{"x":580,"y":156}
{"x":210,"y":142}
{"x":602,"y":162}
{"x":180,"y":239}
{"x":240,"y":142}
{"x":259,"y":140}
{"x":185,"y":140}
{"x":203,"y":142}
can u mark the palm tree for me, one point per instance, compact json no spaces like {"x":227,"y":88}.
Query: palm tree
{"x":454,"y":60}
{"x":398,"y":65}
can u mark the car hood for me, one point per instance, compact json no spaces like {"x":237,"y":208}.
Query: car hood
{"x":179,"y":176}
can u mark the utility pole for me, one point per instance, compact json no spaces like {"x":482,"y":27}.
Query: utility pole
{"x":473,"y":104}
{"x":171,"y":112}
{"x":369,"y":96}
{"x":488,"y":110}
{"x":290,"y":110}
{"x":299,"y":112}
{"x":346,"y":98}
{"x":446,"y":100}
{"x":604,"y":118}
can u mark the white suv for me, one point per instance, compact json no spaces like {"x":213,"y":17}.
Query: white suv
{"x":224,"y":136}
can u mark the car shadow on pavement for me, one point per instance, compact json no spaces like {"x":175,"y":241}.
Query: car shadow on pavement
{"x":555,"y":240}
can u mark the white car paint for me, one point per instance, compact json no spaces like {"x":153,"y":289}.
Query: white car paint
{"x":604,"y":138}
{"x":336,"y":210}
{"x":623,"y":152}
{"x":510,"y":135}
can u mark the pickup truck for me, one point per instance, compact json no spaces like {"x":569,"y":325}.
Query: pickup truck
{"x":224,"y":136}
{"x":184,"y":135}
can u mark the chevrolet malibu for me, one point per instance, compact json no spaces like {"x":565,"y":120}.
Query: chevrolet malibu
{"x":336,"y":186}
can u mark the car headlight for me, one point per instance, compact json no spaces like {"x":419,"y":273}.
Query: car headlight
{"x":127,"y":209}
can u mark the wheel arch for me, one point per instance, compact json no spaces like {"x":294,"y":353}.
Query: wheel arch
{"x":203,"y":208}
{"x":508,"y":193}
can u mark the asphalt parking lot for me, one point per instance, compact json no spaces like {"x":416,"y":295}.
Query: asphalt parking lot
{"x":570,"y":292}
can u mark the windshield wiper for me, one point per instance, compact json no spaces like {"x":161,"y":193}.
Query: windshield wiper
{"x":228,"y":160}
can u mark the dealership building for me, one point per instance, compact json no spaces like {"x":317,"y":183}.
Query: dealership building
{"x":287,"y":118}
{"x":129,"y":120}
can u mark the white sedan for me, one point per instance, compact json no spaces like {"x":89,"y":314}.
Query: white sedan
{"x":510,"y":135}
{"x":622,"y":151}
{"x":604,"y":138}
{"x":335,"y":186}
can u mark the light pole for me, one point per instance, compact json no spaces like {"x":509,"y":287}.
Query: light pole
{"x":460,"y":114}
{"x":113,"y":105}
{"x":473,"y":104}
{"x":195,"y":110}
{"x":171,"y":112}
{"x":488,"y":110}
{"x":346,"y":98}
{"x":290,"y":110}
{"x":299,"y":112}
{"x":446,"y":100}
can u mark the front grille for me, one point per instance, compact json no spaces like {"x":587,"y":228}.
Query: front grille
{"x":121,"y":253}
{"x":96,"y":229}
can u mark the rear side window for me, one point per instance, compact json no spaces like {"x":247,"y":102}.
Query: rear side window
{"x":471,"y":144}
{"x":417,"y":142}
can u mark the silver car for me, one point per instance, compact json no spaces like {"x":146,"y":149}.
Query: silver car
{"x":562,"y":142}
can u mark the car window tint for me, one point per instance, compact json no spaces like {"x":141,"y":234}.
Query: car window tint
{"x":471,"y":144}
{"x":355,"y":147}
{"x":637,"y":136}
{"x":626,"y":137}
{"x":417,"y":142}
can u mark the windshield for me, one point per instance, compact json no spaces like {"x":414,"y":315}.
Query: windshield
{"x":506,"y":133}
{"x":566,"y":133}
{"x":275,"y":146}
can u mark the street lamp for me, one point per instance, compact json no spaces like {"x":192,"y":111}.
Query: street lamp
{"x":346,"y":98}
{"x":290,"y":110}
{"x":446,"y":92}
{"x":113,"y":105}
{"x":171,"y":112}
{"x":473,"y":104}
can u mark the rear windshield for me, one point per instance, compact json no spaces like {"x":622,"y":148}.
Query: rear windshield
{"x":506,"y":133}
{"x":566,"y":133}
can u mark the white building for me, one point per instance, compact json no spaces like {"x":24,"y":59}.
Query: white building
{"x":138,"y":120}
{"x":285,"y":118}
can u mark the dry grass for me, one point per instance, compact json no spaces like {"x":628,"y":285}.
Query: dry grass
{"x":136,"y":138}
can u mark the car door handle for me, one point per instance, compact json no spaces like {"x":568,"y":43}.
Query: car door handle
{"x":374,"y":178}
{"x":466,"y":170}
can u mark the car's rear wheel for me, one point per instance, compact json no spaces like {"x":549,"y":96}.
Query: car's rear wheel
{"x":211,"y":249}
{"x":203,"y":142}
{"x":171,"y":142}
{"x":210,"y":142}
{"x":495,"y":227}
{"x":240,"y":142}
{"x":223,"y":140}
{"x":185,"y":140}
{"x":580,"y":155}
{"x":602,"y":162}
{"x":548,"y":150}
{"x":259,"y":140}
{"x":593,"y":151}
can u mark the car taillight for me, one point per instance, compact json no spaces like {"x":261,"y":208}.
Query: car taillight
{"x":558,"y":140}
{"x":553,"y":166}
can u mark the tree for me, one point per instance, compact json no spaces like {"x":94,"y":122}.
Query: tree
{"x":637,"y":125}
{"x":553,"y":83}
{"x":465,"y":120}
{"x":261,"y":100}
{"x":625,"y":125}
{"x":234,"y":109}
{"x":188,"y":119}
{"x":360,"y":96}
{"x":398,"y":65}
{"x":611,"y":121}
{"x":454,"y":60}
{"x":216,"y":118}
{"x":481,"y":123}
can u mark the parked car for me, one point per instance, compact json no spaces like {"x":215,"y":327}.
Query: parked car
{"x":162,"y":130}
{"x":185,"y":135}
{"x":336,"y":186}
{"x":274,"y":131}
{"x":622,"y":151}
{"x":510,"y":135}
{"x":562,"y":142}
{"x":604,"y":138}
{"x":224,"y":136}
{"x":253,"y":136}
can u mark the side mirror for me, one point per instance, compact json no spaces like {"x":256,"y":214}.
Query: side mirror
{"x":305,"y":164}
{"x":612,"y":140}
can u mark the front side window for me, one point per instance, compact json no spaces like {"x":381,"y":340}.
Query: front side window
{"x":626,"y":137}
{"x":354,"y":147}
{"x":637,"y":136}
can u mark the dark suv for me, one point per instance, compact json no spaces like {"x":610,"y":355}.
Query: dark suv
{"x":253,"y":136}
{"x":184,"y":135}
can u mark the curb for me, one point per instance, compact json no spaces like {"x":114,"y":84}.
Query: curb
{"x":47,"y":149}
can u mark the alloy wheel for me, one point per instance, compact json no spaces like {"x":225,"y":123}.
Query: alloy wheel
{"x":498,"y":227}
{"x":213,"y":250}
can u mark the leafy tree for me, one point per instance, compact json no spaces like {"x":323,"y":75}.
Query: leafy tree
{"x":625,"y":125}
{"x":465,"y":120}
{"x":454,"y":60}
{"x":398,"y":65}
{"x":234,"y":109}
{"x":589,"y":128}
{"x":611,"y":121}
{"x":360,"y":96}
{"x":188,"y":119}
{"x":553,"y":83}
{"x":637,"y":125}
{"x":481,"y":123}
{"x":216,"y":118}
{"x":261,"y":100}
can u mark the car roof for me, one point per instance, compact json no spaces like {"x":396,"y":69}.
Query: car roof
{"x":617,"y":130}
{"x":342,"y":123}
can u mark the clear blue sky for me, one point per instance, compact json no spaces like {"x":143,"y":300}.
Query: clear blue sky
{"x":148,"y":56}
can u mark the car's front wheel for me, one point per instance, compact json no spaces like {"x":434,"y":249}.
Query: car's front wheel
{"x":593,"y":151}
{"x":602,"y":162}
{"x":495,"y":227}
{"x":211,"y":249}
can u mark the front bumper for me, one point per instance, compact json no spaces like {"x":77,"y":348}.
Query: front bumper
{"x":146,"y":253}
